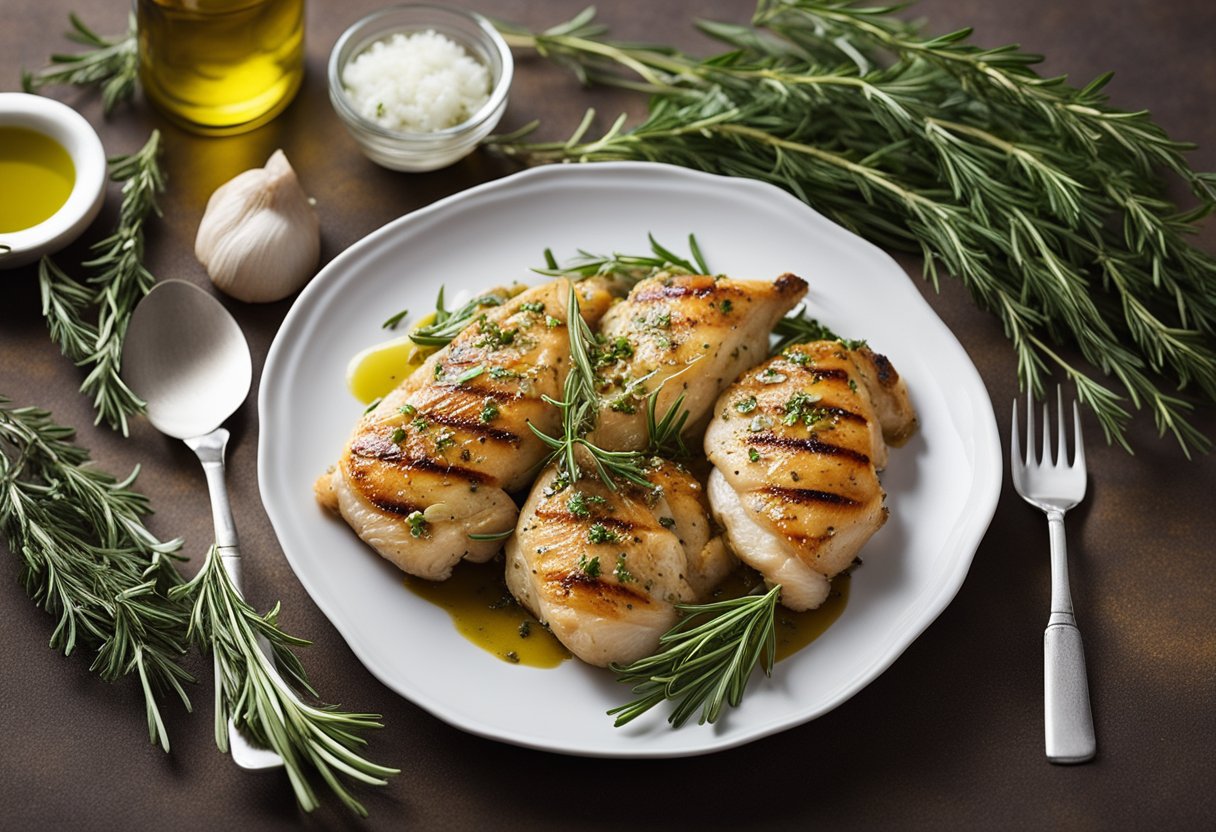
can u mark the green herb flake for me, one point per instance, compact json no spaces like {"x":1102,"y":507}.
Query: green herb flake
{"x":418,"y":524}
{"x":397,"y":435}
{"x":753,"y":455}
{"x":392,"y":322}
{"x":407,"y":410}
{"x":552,"y":322}
{"x":589,"y":567}
{"x":533,"y":306}
{"x":489,"y":411}
{"x":667,"y":522}
{"x":525,"y":628}
{"x":599,"y":533}
{"x":420,"y":424}
{"x":726,"y":306}
{"x":470,"y":374}
{"x":746,"y":405}
{"x":621,"y":571}
{"x":498,"y":373}
{"x":577,"y":505}
{"x":445,"y":440}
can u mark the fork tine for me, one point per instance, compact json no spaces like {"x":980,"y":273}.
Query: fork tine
{"x":1029,"y":426}
{"x":1079,"y":452}
{"x":1045,"y":458}
{"x":1062,"y":447}
{"x":1015,"y":445}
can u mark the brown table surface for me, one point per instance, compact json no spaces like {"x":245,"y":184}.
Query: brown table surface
{"x":950,"y":736}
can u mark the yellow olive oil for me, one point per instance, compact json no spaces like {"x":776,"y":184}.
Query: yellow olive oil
{"x":221,"y":66}
{"x":484,"y":612}
{"x":378,"y":370}
{"x":36,"y":178}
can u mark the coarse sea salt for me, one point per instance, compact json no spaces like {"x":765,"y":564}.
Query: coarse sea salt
{"x":416,"y":83}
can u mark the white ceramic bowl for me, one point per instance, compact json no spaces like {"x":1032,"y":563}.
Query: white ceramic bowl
{"x":399,"y":150}
{"x":67,"y":127}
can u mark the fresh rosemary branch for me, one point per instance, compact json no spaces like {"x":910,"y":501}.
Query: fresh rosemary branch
{"x":705,"y":660}
{"x":118,"y":282}
{"x":448,"y":324}
{"x":109,"y":64}
{"x":87,"y":558}
{"x":1044,"y":200}
{"x":631,"y":267}
{"x":580,"y":410}
{"x":261,"y":703}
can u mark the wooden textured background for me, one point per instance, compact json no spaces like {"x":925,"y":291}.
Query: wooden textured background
{"x":949,"y":737}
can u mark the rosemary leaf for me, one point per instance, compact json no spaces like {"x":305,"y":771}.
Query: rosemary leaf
{"x":110,"y":64}
{"x":323,"y":740}
{"x":705,"y":660}
{"x":1007,"y":180}
{"x":117,"y":283}
{"x":87,"y":559}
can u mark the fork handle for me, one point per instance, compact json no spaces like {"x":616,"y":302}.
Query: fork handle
{"x":1069,"y":721}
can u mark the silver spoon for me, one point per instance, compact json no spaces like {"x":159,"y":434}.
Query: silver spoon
{"x":188,"y":359}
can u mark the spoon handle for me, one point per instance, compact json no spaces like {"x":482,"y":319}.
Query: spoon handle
{"x":209,"y":448}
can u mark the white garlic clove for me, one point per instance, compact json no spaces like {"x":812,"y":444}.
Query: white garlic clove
{"x":260,"y":239}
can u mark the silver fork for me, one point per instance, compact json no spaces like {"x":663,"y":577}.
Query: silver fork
{"x":1055,"y":486}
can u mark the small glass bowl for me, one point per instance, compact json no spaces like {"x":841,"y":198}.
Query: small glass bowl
{"x":398,"y":150}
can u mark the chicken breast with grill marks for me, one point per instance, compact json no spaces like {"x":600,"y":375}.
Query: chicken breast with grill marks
{"x":685,"y":334}
{"x":796,"y":445}
{"x":603,"y":569}
{"x":433,"y":462}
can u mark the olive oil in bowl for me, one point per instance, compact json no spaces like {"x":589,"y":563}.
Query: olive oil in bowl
{"x":36,"y":178}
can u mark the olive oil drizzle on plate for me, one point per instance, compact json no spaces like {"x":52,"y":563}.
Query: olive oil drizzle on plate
{"x":484,"y":612}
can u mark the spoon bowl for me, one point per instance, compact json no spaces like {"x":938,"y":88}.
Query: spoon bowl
{"x":186,"y":356}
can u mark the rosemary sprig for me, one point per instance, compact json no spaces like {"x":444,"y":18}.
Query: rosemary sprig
{"x":1005,"y":179}
{"x":110,"y":64}
{"x":118,"y":282}
{"x":448,"y":324}
{"x":705,"y":660}
{"x":580,"y":410}
{"x":87,"y":559}
{"x":631,"y":267}
{"x":260,"y":701}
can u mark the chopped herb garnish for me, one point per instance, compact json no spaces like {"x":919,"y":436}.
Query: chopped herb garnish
{"x":392,"y":322}
{"x":623,"y":404}
{"x":372,"y":405}
{"x":501,"y":372}
{"x":726,"y":306}
{"x":590,"y":568}
{"x":621,"y":571}
{"x":667,"y":522}
{"x":853,"y":385}
{"x":753,"y":455}
{"x":492,"y":335}
{"x":418,"y":524}
{"x":444,"y":440}
{"x":407,"y":410}
{"x":470,"y":374}
{"x":439,"y":370}
{"x":771,"y":376}
{"x":397,"y":435}
{"x":552,"y":322}
{"x":489,"y":411}
{"x":760,"y":422}
{"x":797,"y":357}
{"x":525,"y":628}
{"x":532,"y":306}
{"x":577,"y":505}
{"x":379,"y":109}
{"x":746,"y":405}
{"x":802,"y":407}
{"x":599,"y":533}
{"x":420,"y":424}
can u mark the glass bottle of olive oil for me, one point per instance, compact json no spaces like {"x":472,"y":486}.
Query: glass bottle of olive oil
{"x":220,"y":67}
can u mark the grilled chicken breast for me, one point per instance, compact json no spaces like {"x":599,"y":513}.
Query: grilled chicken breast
{"x":685,"y":334}
{"x":433,"y":462}
{"x":796,"y":445}
{"x":603,"y":569}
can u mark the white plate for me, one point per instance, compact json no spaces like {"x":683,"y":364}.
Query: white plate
{"x":942,"y":487}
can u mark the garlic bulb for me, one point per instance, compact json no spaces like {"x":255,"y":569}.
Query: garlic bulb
{"x":260,"y":239}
